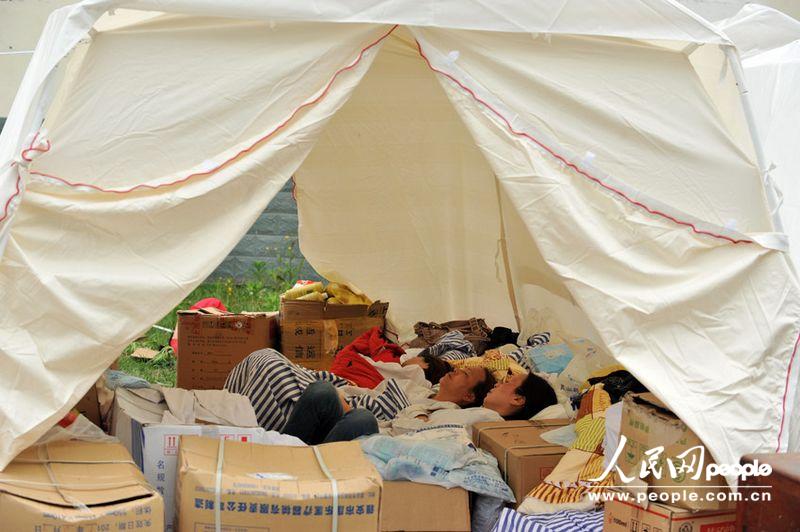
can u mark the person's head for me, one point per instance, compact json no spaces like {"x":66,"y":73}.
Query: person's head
{"x":520,"y":397}
{"x":466,"y":387}
{"x":433,"y":367}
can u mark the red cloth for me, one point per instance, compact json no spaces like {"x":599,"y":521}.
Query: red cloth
{"x":350,"y":363}
{"x":208,"y":302}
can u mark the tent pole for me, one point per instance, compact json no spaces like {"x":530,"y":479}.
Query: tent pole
{"x":506,"y":264}
{"x":763,"y":166}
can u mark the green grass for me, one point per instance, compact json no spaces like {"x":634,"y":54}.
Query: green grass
{"x":260,"y":292}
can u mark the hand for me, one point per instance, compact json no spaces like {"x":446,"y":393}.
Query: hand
{"x":346,"y":407}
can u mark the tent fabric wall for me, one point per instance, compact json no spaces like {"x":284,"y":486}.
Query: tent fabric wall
{"x":101,"y":247}
{"x":769,"y":44}
{"x":396,"y":199}
{"x":88,"y":268}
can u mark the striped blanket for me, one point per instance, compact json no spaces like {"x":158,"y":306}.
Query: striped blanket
{"x":566,"y":488}
{"x":563,"y":521}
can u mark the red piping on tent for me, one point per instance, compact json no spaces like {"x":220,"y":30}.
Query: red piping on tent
{"x":237,"y":155}
{"x":568,"y":163}
{"x":612,"y":189}
{"x":786,"y":392}
{"x":463,"y":87}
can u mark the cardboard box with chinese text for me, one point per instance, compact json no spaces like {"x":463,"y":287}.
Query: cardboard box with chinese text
{"x":648,"y":425}
{"x":275,"y":488}
{"x":72,"y":485}
{"x":211,"y":344}
{"x":626,"y":516}
{"x":524,"y":458}
{"x":312,"y":332}
{"x":138,"y":422}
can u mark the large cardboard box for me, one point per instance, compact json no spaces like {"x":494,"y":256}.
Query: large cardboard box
{"x":211,"y":344}
{"x":626,"y":516}
{"x":138,"y":420}
{"x":312,"y":332}
{"x":74,"y":485}
{"x":524,"y":458}
{"x":414,"y":507}
{"x":648,"y":424}
{"x":273,"y":488}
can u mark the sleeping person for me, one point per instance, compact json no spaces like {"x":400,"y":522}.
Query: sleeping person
{"x":519,"y":397}
{"x":276,"y":388}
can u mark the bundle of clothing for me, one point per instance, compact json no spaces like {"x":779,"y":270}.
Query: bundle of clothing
{"x":442,"y":455}
{"x":357,"y":361}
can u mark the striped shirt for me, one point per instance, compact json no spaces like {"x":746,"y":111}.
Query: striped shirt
{"x":562,"y":521}
{"x":274,"y":384}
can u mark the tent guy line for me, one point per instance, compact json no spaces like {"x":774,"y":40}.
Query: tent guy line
{"x":570,"y":164}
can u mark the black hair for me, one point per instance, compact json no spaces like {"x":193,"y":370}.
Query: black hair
{"x":437,"y":368}
{"x":538,"y":395}
{"x":482,"y":388}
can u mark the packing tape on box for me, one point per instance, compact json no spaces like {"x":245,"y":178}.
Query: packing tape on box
{"x":506,"y":426}
{"x":45,"y":460}
{"x":334,"y":489}
{"x":218,"y":486}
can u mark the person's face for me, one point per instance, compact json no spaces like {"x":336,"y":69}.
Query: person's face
{"x":460,"y":383}
{"x":503,"y":398}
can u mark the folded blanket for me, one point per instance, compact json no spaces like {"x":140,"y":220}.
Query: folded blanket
{"x":442,"y":455}
{"x":565,"y":520}
{"x":570,"y":482}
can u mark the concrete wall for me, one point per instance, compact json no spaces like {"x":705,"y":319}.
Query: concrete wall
{"x":267,"y":240}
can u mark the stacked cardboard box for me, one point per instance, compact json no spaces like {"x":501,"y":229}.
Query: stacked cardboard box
{"x":211,"y":343}
{"x":144,"y":423}
{"x":627,"y":516}
{"x":648,"y":424}
{"x":241,"y":486}
{"x":312,"y":332}
{"x":414,"y":507}
{"x":524,"y":458}
{"x":75,"y":485}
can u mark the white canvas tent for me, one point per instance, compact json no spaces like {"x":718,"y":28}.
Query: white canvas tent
{"x":769,"y":46}
{"x":589,"y":164}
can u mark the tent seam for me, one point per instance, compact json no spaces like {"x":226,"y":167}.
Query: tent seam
{"x":622,"y":195}
{"x":571,"y":165}
{"x":230,"y":160}
{"x":786,"y":392}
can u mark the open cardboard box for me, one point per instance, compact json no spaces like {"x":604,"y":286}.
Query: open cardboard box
{"x":77,"y":485}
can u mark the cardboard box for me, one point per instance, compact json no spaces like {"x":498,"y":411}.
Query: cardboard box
{"x":89,"y":406}
{"x":138,"y":421}
{"x":524,"y":458}
{"x":274,"y":488}
{"x":312,"y":332}
{"x":211,"y":344}
{"x":625,"y":516}
{"x":411,"y":507}
{"x":99,"y":476}
{"x":646,"y":424}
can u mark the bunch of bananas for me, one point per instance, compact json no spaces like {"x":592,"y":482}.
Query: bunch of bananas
{"x":333,"y":294}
